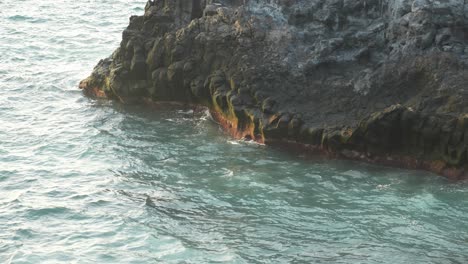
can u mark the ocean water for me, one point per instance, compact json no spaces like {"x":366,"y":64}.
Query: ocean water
{"x":94,"y":181}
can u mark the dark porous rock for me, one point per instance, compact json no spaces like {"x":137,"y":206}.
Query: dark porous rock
{"x":383,"y":81}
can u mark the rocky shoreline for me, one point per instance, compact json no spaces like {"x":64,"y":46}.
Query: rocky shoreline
{"x":381,"y":81}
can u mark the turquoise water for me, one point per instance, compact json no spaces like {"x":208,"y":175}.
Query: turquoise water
{"x":91,"y":181}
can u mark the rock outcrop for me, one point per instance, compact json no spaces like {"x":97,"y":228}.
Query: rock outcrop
{"x":376,"y":80}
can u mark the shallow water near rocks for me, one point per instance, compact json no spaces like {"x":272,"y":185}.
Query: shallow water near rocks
{"x":93,"y":181}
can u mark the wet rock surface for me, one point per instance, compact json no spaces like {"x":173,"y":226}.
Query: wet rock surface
{"x":376,"y":80}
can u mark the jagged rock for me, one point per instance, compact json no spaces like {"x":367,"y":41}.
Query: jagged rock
{"x":376,"y":80}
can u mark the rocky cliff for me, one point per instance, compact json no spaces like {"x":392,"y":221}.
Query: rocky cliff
{"x":376,"y":80}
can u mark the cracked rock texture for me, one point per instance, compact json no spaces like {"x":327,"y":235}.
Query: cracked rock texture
{"x":382,"y":81}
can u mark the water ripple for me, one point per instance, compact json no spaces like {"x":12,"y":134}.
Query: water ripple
{"x":94,"y":181}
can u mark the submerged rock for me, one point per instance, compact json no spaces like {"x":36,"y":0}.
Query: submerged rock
{"x":376,"y":80}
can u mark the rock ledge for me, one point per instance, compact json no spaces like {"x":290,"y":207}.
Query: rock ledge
{"x":383,"y":81}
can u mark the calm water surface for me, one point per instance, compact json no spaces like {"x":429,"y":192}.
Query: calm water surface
{"x":86,"y":181}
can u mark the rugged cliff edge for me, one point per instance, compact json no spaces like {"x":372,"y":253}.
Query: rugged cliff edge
{"x":382,"y":81}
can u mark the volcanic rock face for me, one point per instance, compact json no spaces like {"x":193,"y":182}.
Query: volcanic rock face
{"x":377,"y":80}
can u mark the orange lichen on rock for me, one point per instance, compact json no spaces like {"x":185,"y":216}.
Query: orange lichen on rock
{"x":231,"y":126}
